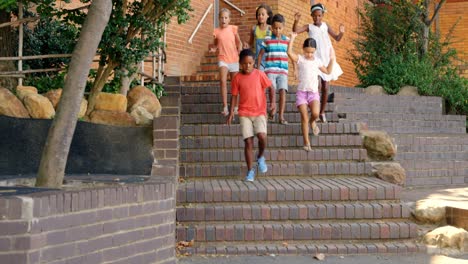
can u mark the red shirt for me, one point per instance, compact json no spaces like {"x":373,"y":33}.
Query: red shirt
{"x":251,"y":88}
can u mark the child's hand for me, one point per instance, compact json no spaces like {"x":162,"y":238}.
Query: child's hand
{"x":293,"y":35}
{"x":332,"y":54}
{"x":296,"y":75}
{"x":212,"y":48}
{"x":297,"y":16}
{"x":245,"y":45}
{"x":229,"y":118}
{"x":342,"y":28}
{"x":272,"y":109}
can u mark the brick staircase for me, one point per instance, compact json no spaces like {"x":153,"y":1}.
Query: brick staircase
{"x":432,"y":147}
{"x":321,"y":201}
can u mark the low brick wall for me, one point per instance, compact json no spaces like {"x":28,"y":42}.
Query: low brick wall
{"x":132,"y":223}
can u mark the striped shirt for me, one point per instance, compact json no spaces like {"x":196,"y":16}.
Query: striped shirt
{"x":276,"y":51}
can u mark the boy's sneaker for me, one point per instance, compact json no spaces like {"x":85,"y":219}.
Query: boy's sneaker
{"x":262,"y":166}
{"x":250,"y":175}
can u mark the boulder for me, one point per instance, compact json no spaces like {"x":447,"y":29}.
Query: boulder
{"x":38,"y":106}
{"x":448,"y":237}
{"x":111,"y":102}
{"x":142,"y":96}
{"x":83,"y":108}
{"x":375,"y":90}
{"x":389,"y":171}
{"x":22,"y":91}
{"x":379,"y":145}
{"x":429,"y":211}
{"x":141,"y":116}
{"x":10,"y":105}
{"x":408,"y":91}
{"x":54,"y":96}
{"x":113,"y":118}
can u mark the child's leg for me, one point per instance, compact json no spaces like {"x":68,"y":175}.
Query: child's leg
{"x":282,"y":105}
{"x":304,"y":124}
{"x":314,"y":114}
{"x":248,"y":149}
{"x":324,"y":88}
{"x":223,"y":71}
{"x":262,"y":143}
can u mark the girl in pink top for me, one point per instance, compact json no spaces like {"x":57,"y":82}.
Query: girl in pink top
{"x":228,"y":44}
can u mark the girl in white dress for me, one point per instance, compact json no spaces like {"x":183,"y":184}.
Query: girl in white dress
{"x":321,"y":32}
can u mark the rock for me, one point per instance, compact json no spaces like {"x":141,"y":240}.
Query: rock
{"x":83,"y":108}
{"x":448,"y":237}
{"x":319,"y":256}
{"x":390,"y":172}
{"x":54,"y":96}
{"x":111,"y":102}
{"x":22,"y":91}
{"x":141,"y":116}
{"x":38,"y":106}
{"x":113,"y":118}
{"x":429,"y":211}
{"x":408,"y":91}
{"x":375,"y":90}
{"x":379,"y":145}
{"x":10,"y":105}
{"x":142,"y":96}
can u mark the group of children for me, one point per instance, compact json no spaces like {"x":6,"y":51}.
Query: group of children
{"x":267,"y":68}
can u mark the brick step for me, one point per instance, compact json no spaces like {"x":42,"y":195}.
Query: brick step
{"x":286,"y":190}
{"x":189,"y":101}
{"x":291,"y":211}
{"x":208,"y":67}
{"x":210,"y":60}
{"x":433,"y":164}
{"x":401,"y":246}
{"x":278,"y":169}
{"x":346,"y":90}
{"x":273,"y":129}
{"x":398,"y":100}
{"x":208,"y":77}
{"x":272,"y":155}
{"x":442,"y":156}
{"x":226,"y":142}
{"x":427,"y":178}
{"x":399,"y":117}
{"x":208,"y":88}
{"x":360,"y":107}
{"x":211,"y":108}
{"x":217,"y":118}
{"x":301,"y":231}
{"x":432,"y":142}
{"x":413,"y":126}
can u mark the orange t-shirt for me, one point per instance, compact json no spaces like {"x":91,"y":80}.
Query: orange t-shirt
{"x":227,"y":49}
{"x":251,"y":88}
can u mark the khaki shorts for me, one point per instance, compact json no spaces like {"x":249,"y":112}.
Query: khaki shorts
{"x":252,"y":125}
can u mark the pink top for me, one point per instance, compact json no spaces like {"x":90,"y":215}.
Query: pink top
{"x":251,"y":87}
{"x":227,"y":49}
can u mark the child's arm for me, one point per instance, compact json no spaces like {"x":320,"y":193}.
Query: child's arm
{"x":239,"y":43}
{"x":250,"y":44}
{"x":335,"y":36}
{"x":296,"y":28}
{"x":259,"y":58}
{"x":231,"y":112}
{"x":291,"y":53}
{"x":214,"y":46}
{"x":329,"y":68}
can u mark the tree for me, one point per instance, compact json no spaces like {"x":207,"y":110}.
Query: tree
{"x":8,"y":45}
{"x":427,"y":20}
{"x":55,"y":154}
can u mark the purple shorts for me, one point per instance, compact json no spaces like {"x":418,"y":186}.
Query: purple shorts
{"x":303,"y":97}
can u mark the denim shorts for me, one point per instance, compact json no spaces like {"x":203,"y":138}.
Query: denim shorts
{"x":232,"y":67}
{"x":279,"y":81}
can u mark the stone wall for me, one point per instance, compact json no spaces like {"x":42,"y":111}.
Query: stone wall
{"x":132,"y":223}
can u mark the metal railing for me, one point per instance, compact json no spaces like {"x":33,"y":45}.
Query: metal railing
{"x":242,"y":12}
{"x":208,"y":9}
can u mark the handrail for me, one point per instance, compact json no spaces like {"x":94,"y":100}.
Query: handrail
{"x":199,"y":23}
{"x":235,"y":7}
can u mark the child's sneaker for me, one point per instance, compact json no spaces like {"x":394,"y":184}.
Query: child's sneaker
{"x":250,"y":176}
{"x":262,"y":166}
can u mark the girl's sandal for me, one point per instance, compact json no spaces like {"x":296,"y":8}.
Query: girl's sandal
{"x":323,"y":118}
{"x":283,"y":122}
{"x":307,"y":148}
{"x":315,"y":129}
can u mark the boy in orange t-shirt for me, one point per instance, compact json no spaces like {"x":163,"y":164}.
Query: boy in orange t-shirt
{"x":250,"y":85}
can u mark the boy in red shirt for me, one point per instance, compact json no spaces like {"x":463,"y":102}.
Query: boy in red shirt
{"x":250,"y":85}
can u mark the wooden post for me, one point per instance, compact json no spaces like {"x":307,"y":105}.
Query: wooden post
{"x":20,"y":42}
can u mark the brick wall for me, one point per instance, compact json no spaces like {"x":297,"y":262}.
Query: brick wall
{"x":183,"y":57}
{"x":132,"y":223}
{"x":450,"y":13}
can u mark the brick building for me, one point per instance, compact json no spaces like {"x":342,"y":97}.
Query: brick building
{"x":183,"y":57}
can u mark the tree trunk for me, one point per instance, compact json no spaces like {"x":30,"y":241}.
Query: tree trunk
{"x":7,"y":49}
{"x":55,"y":154}
{"x":99,"y":83}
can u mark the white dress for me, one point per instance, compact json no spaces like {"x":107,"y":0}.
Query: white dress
{"x":320,"y":34}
